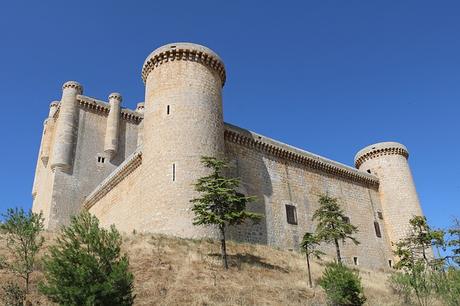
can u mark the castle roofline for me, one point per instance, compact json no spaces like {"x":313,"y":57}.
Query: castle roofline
{"x":377,"y":149}
{"x":103,"y":108}
{"x":284,"y":151}
{"x":183,"y":51}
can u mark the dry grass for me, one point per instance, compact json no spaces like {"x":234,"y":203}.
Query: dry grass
{"x":173,"y":271}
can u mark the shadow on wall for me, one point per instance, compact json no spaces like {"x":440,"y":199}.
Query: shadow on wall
{"x":248,"y":165}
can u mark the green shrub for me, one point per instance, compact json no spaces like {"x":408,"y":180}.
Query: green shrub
{"x":342,"y":285}
{"x":12,"y":294}
{"x":85,"y":266}
{"x":449,"y":287}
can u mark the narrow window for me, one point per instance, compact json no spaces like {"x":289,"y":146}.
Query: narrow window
{"x":390,"y":263}
{"x":174,"y":172}
{"x":291,"y":214}
{"x":377,"y":229}
{"x":380,"y":215}
{"x":100,"y":159}
{"x":167,"y":110}
{"x":369,"y":171}
{"x":346,"y":220}
{"x":355,"y":260}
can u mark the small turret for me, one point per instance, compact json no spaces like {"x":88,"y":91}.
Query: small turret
{"x":140,"y":131}
{"x":388,"y":161}
{"x":113,"y":123}
{"x":66,"y":127}
{"x":47,"y":133}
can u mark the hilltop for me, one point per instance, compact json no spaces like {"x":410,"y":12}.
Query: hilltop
{"x":172,"y":271}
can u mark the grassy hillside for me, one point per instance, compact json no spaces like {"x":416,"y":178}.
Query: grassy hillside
{"x":172,"y":271}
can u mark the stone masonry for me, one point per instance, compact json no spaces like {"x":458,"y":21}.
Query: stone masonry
{"x":136,"y":168}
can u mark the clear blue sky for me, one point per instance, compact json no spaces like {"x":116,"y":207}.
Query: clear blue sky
{"x":327,"y":76}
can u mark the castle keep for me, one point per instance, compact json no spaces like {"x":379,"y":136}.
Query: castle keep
{"x":136,"y":168}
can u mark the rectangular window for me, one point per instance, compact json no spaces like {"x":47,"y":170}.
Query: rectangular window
{"x":390,"y":263}
{"x":100,"y":159}
{"x":167,"y":110}
{"x":355,"y":260}
{"x":174,"y":172}
{"x":380,"y":215}
{"x":291,"y":214}
{"x":377,"y":229}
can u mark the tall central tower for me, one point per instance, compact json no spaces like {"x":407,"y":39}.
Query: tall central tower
{"x":183,"y":121}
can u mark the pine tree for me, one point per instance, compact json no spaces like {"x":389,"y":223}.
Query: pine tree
{"x":333,"y":225}
{"x":85,"y":266}
{"x":309,"y":247}
{"x":23,"y":239}
{"x":220,"y":204}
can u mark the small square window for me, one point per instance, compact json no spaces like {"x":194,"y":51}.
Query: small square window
{"x":291,"y":214}
{"x":380,"y":215}
{"x":346,"y":220}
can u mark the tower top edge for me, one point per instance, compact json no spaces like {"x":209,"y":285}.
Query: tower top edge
{"x":183,"y":51}
{"x":73,"y":84}
{"x":377,"y":149}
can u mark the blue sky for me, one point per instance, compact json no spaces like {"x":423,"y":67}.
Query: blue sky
{"x":327,"y":76}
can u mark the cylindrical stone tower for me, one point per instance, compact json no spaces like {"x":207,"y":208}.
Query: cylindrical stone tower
{"x":388,"y":161}
{"x":66,"y":126}
{"x":113,"y":124}
{"x":183,"y":121}
{"x":47,"y":133}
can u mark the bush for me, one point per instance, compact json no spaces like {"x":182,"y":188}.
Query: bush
{"x":342,"y":285}
{"x":449,"y":287}
{"x":12,"y":294}
{"x":85,"y":266}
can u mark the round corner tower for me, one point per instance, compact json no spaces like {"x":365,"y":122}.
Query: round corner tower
{"x":183,"y":121}
{"x":398,"y":196}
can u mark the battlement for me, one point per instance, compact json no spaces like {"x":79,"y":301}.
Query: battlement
{"x":293,"y":154}
{"x":184,"y":52}
{"x":103,"y":108}
{"x":73,"y":84}
{"x":379,"y":149}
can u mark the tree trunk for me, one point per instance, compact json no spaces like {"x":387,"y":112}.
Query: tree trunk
{"x":223,"y":247}
{"x":337,"y":249}
{"x":309,"y":273}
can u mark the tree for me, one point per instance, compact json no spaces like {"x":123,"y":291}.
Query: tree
{"x":454,"y":242}
{"x":308,"y":246}
{"x":22,"y":232}
{"x":85,"y":266}
{"x":342,"y":285}
{"x":333,"y":225}
{"x":220,"y":204}
{"x":415,"y":261}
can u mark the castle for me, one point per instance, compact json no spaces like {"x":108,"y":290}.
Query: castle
{"x":136,"y":168}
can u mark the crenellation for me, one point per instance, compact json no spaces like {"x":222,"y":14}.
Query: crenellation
{"x":136,"y":168}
